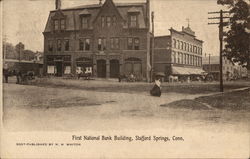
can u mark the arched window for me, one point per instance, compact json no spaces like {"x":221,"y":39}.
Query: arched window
{"x":178,"y":44}
{"x":174,"y":43}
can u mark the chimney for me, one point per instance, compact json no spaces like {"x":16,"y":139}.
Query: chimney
{"x":58,"y":4}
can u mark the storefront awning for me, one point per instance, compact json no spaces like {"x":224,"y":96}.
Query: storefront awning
{"x":187,"y":71}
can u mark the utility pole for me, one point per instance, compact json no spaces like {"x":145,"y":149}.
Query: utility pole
{"x":221,"y":35}
{"x":152,"y":49}
{"x":209,"y":62}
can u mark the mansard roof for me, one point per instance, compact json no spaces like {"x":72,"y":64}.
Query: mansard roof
{"x":72,"y":14}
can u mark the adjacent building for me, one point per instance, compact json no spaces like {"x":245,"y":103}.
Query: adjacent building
{"x":178,"y":54}
{"x":110,"y":39}
{"x":211,"y":65}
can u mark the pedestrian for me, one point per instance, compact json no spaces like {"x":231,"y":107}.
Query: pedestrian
{"x":156,"y":91}
{"x":18,"y":76}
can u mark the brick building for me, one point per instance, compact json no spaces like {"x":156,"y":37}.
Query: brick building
{"x":178,"y":54}
{"x":110,"y":38}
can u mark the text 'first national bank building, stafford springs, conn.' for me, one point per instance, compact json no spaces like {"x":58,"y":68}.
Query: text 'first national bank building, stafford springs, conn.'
{"x":110,"y":38}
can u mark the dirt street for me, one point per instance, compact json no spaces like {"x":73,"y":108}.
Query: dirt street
{"x":58,"y":109}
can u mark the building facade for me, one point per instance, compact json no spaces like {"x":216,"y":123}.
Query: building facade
{"x":110,"y":39}
{"x":178,"y":54}
{"x":230,"y":71}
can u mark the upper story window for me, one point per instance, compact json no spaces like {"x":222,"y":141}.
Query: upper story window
{"x":66,"y":45}
{"x":102,"y":44}
{"x":191,"y":48}
{"x":103,"y":21}
{"x":185,"y":46}
{"x":108,"y":21}
{"x":181,"y":47}
{"x":133,"y":20}
{"x":84,"y":44}
{"x":137,"y":44}
{"x":114,"y":43}
{"x":63,"y":24}
{"x":114,"y":21}
{"x":173,"y":57}
{"x":85,"y":22}
{"x":174,"y":43}
{"x":178,"y":44}
{"x":59,"y":45}
{"x":50,"y":46}
{"x":130,"y":43}
{"x":56,"y":24}
{"x":133,"y":44}
{"x":59,"y":24}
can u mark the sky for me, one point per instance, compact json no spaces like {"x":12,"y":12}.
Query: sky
{"x":25,"y":20}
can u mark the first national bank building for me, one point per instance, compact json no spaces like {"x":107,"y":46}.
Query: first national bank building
{"x":110,"y":38}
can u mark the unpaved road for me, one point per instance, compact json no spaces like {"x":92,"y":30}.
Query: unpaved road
{"x":44,"y":109}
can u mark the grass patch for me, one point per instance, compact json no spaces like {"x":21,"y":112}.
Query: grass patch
{"x":238,"y":100}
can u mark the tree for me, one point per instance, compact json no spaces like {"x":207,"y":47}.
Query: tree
{"x":237,"y":48}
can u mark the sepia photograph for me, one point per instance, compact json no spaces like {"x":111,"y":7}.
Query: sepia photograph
{"x":125,"y":78}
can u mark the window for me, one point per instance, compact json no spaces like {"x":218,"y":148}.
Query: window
{"x":87,"y":44}
{"x":181,"y":47}
{"x":178,"y":44}
{"x":114,"y":43}
{"x":84,"y":44}
{"x":137,"y":43}
{"x":173,"y":57}
{"x":85,"y":22}
{"x":63,"y":24}
{"x":191,"y":48}
{"x":114,"y":21}
{"x":50,"y":45}
{"x":108,"y":21}
{"x":59,"y":45}
{"x":130,"y":43}
{"x":133,"y":21}
{"x":56,"y":25}
{"x":66,"y":45}
{"x":102,"y":44}
{"x":185,"y":46}
{"x":133,"y":44}
{"x":188,"y":62}
{"x":181,"y":61}
{"x":174,"y":43}
{"x":103,"y":22}
{"x":184,"y":58}
{"x":176,"y":57}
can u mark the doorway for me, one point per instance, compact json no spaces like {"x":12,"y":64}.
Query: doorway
{"x":101,"y":68}
{"x":59,"y":69}
{"x":114,"y":68}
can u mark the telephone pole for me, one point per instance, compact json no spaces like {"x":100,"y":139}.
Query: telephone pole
{"x":221,"y":24}
{"x":152,"y":49}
